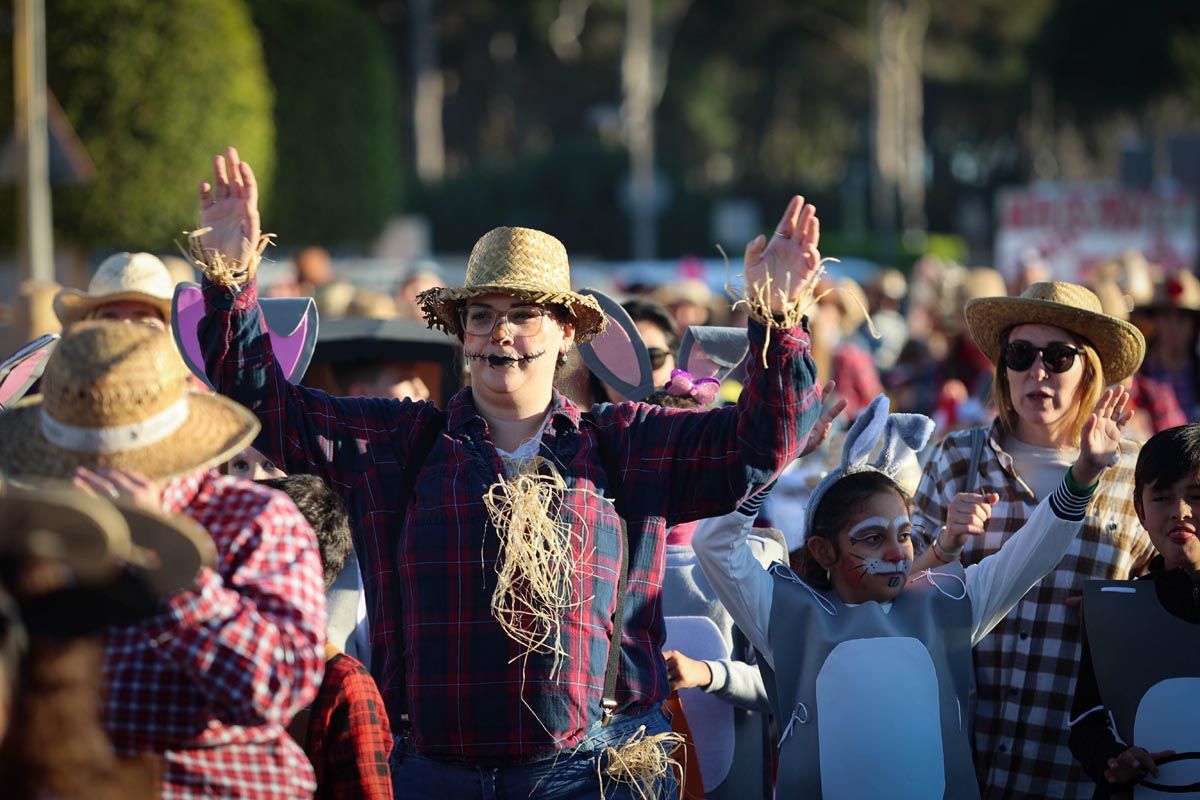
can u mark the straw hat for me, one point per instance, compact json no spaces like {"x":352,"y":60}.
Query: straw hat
{"x":1064,"y":305}
{"x":118,"y":396}
{"x":517,"y":261}
{"x":141,"y":277}
{"x":94,"y":537}
{"x":1180,"y":290}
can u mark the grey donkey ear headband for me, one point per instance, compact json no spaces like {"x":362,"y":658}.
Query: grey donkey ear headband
{"x":901,"y":435}
{"x":619,"y":357}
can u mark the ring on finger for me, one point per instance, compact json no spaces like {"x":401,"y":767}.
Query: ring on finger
{"x":781,"y":233}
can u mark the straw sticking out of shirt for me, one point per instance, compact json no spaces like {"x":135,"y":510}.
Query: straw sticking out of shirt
{"x":535,"y":566}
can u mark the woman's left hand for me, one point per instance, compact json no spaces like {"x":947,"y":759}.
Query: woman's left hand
{"x":788,"y":259}
{"x":118,"y":483}
{"x":1100,"y":442}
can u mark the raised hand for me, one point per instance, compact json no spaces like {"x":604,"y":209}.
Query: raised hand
{"x":820,"y":431}
{"x":788,"y":261}
{"x":117,"y":482}
{"x":229,"y":207}
{"x":1100,"y":441}
{"x":967,"y":516}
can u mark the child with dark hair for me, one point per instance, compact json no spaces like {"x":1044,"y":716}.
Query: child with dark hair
{"x":1135,"y":699}
{"x":868,"y":666}
{"x":345,"y":732}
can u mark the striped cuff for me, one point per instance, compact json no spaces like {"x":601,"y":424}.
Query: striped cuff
{"x":752,"y":506}
{"x":1068,"y":505}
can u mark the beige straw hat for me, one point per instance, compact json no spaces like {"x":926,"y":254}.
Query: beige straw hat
{"x":519,"y":261}
{"x":1069,"y":306}
{"x":141,"y":277}
{"x":117,"y":395}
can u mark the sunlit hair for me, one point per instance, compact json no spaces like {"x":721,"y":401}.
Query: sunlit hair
{"x":1090,"y":388}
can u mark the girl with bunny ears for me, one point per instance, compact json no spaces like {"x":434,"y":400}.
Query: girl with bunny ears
{"x":868,"y":663}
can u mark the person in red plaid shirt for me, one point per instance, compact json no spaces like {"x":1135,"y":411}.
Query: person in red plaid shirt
{"x":210,"y":682}
{"x":484,"y":710}
{"x":345,"y":732}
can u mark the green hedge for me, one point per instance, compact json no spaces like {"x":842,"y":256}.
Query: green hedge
{"x":336,"y":122}
{"x":153,"y":90}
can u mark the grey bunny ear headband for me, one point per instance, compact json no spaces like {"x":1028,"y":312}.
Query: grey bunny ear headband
{"x":619,"y":357}
{"x":898,"y":437}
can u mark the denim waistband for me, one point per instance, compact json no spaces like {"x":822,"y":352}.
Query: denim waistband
{"x":598,"y":737}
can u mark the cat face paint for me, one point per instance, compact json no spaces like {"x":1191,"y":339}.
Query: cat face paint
{"x":877,"y":546}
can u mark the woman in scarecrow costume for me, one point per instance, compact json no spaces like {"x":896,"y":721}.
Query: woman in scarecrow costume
{"x":504,"y":538}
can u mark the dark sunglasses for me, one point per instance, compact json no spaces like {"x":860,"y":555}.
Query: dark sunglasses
{"x":1019,"y":355}
{"x":658,"y":356}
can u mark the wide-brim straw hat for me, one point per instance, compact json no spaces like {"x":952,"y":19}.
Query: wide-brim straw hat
{"x":522,"y":262}
{"x":1069,"y":306}
{"x":119,"y":395}
{"x":167,"y":551}
{"x":138,"y":277}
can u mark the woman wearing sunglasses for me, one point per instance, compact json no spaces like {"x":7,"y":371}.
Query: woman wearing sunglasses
{"x":1054,"y":351}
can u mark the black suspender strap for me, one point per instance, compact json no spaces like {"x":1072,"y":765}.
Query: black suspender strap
{"x":408,"y":482}
{"x":612,"y":671}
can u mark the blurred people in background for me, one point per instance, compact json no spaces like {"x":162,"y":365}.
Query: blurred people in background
{"x":421,"y":276}
{"x":689,"y":301}
{"x":127,"y":287}
{"x":1170,"y":324}
{"x":371,"y":304}
{"x":334,"y":299}
{"x":885,"y":298}
{"x":837,"y":347}
{"x":314,"y":269}
{"x":1153,"y":403}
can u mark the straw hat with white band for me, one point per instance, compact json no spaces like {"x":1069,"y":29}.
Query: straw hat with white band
{"x":117,"y":395}
{"x":1069,"y":306}
{"x":523,"y":262}
{"x":139,"y":277}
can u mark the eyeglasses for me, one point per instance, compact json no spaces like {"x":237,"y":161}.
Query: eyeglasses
{"x":1057,"y":356}
{"x":521,"y":320}
{"x":658,"y":356}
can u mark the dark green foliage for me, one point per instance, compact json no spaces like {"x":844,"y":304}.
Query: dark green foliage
{"x":336,"y":122}
{"x":153,"y":89}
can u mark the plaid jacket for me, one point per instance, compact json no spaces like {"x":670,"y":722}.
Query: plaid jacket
{"x":1025,"y":669}
{"x":471,"y":693}
{"x":349,"y":741}
{"x":211,"y":682}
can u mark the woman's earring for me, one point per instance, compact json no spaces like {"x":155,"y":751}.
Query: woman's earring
{"x":562,"y":359}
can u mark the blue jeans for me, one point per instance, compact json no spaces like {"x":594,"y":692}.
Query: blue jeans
{"x":569,"y":775}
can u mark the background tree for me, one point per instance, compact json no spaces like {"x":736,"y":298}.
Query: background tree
{"x":153,"y":90}
{"x":336,"y":122}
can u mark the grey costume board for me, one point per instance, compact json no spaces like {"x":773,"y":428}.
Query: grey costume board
{"x":874,"y":703}
{"x":1147,"y":663}
{"x":731,"y":736}
{"x":342,"y":602}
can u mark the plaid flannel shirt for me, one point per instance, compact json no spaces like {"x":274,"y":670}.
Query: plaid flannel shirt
{"x":211,"y":682}
{"x":471,"y":693}
{"x":1025,"y":669}
{"x":349,"y":741}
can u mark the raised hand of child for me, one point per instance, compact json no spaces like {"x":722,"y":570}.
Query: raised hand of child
{"x":686,"y":673}
{"x":1133,"y":764}
{"x":1100,"y":441}
{"x":967,"y":516}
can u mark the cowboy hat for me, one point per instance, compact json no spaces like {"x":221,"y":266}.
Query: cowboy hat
{"x":117,"y":395}
{"x":1179,"y":290}
{"x":140,"y":277}
{"x":1069,"y":306}
{"x":518,"y":261}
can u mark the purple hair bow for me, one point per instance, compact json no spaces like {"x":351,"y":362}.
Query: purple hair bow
{"x":702,"y":390}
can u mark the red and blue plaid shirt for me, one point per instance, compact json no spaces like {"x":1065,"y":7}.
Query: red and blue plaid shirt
{"x":429,"y":569}
{"x":212,"y":681}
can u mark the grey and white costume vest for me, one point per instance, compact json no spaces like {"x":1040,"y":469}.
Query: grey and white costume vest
{"x":873,"y":703}
{"x":1147,"y":664}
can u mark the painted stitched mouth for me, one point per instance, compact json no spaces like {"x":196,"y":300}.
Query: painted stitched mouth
{"x":494,"y":360}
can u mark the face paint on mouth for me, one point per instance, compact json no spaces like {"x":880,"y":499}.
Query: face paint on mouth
{"x":505,"y":361}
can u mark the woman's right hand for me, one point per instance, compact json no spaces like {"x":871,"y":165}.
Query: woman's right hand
{"x":1100,"y":442}
{"x":1133,"y":764}
{"x":229,"y":208}
{"x":967,"y":516}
